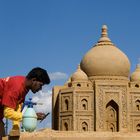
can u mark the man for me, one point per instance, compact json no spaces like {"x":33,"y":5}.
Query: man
{"x":12,"y":94}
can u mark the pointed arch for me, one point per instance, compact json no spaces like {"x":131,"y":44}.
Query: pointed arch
{"x":112,"y":116}
{"x":66,"y":126}
{"x":84,"y":104}
{"x":66,"y":104}
{"x":112,"y":127}
{"x":138,"y":127}
{"x":84,"y":126}
{"x":137,"y":103}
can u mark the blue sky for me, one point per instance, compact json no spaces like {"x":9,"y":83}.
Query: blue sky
{"x":55,"y":34}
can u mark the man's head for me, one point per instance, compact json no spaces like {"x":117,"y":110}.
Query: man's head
{"x":36,"y":78}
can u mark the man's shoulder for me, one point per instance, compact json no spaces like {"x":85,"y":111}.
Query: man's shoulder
{"x":17,"y":78}
{"x":16,"y":81}
{"x":9,"y":78}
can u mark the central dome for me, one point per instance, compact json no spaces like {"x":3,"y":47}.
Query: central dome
{"x":104,"y":59}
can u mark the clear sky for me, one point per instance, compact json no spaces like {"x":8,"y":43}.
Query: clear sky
{"x":55,"y":34}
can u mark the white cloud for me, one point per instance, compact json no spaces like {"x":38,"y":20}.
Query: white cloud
{"x":44,"y":100}
{"x":58,"y":76}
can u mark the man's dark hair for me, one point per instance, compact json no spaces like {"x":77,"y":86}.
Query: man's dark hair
{"x":40,"y":75}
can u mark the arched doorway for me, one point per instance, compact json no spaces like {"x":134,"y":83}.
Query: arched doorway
{"x":138,"y":128}
{"x":84,"y":104}
{"x":84,"y":126}
{"x":65,"y":126}
{"x":112,"y":116}
{"x":137,"y":102}
{"x":66,"y":104}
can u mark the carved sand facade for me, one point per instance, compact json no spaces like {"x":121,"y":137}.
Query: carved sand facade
{"x":99,"y":96}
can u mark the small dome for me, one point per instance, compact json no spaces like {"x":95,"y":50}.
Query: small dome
{"x":79,"y":75}
{"x":136,"y":74}
{"x":105,"y":59}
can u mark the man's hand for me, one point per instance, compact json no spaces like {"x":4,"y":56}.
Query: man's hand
{"x":40,"y":116}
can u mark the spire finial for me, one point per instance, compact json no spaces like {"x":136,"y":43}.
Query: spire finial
{"x":104,"y":37}
{"x":104,"y":31}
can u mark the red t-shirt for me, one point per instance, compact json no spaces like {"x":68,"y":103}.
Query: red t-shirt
{"x":12,"y":92}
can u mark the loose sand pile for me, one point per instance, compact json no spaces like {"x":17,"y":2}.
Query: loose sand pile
{"x":49,"y":134}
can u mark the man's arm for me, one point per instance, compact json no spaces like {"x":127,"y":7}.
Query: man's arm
{"x":11,"y":114}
